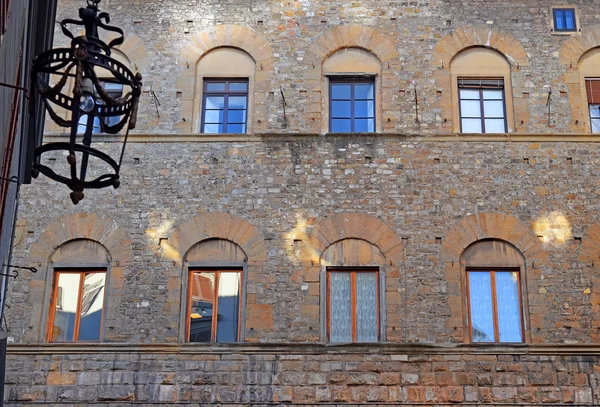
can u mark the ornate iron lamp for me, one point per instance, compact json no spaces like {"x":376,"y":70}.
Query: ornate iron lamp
{"x":88,"y":65}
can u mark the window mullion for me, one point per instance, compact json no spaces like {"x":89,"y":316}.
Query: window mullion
{"x":353,"y":303}
{"x":482,"y":110}
{"x":78,"y":309}
{"x":495,"y":306}
{"x":352,"y":112}
{"x":215,"y":309}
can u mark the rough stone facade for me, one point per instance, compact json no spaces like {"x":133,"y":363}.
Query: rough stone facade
{"x":417,"y":192}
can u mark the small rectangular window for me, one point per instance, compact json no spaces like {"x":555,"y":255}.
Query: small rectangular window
{"x":225,"y":106}
{"x":353,"y":305}
{"x":78,"y":306}
{"x":495,"y":306}
{"x":214,"y":311}
{"x":592,"y":86}
{"x":352,"y":105}
{"x":482,"y":106}
{"x":565,"y":19}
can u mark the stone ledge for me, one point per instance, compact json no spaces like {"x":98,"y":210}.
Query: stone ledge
{"x":279,"y":137}
{"x":305,"y":349}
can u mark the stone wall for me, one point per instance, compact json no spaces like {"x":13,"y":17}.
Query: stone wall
{"x":300,"y":375}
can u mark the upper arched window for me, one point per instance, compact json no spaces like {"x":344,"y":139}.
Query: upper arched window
{"x":223,"y":91}
{"x":78,"y":292}
{"x":589,"y":72}
{"x":481,"y":83}
{"x":493,"y":274}
{"x":214,"y":300}
{"x":353,"y":83}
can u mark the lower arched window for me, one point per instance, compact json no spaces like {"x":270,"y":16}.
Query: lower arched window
{"x":494,"y":292}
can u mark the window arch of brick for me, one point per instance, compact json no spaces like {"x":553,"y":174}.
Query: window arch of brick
{"x":381,"y":246}
{"x":59,"y":235}
{"x":223,"y":36}
{"x":491,"y":226}
{"x":589,"y":261}
{"x":357,"y":37}
{"x":213,"y":226}
{"x":579,"y":56}
{"x":463,"y":38}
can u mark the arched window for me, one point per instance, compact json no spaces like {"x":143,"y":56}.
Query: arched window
{"x":214,"y":300}
{"x":78,"y":290}
{"x":354,"y":273}
{"x":589,"y":73}
{"x":224,"y":89}
{"x":353,"y":92}
{"x":481,"y":83}
{"x":494,"y":271}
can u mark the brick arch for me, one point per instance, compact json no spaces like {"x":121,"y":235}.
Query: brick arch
{"x":225,"y":36}
{"x":355,"y":225}
{"x":463,"y":38}
{"x":137,"y":53}
{"x":589,"y":261}
{"x":478,"y":36}
{"x":489,"y":225}
{"x":219,"y":225}
{"x":352,"y":36}
{"x":83,"y":225}
{"x":575,"y":47}
{"x":570,"y":55}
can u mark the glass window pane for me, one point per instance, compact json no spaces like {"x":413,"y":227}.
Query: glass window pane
{"x":493,"y":94}
{"x":470,"y":108}
{"x":509,"y":306}
{"x":213,"y":128}
{"x":340,"y":109}
{"x":559,"y":20}
{"x":92,"y":303}
{"x":364,"y":125}
{"x":364,"y":109}
{"x":595,"y":111}
{"x":340,"y":91}
{"x":471,"y":126}
{"x":215,"y":102}
{"x":493,"y":108}
{"x":340,"y":307}
{"x":236,"y":116}
{"x":213,"y":116}
{"x":65,"y":313}
{"x":202,"y":292}
{"x":340,"y":126}
{"x":480,"y":301}
{"x":236,"y":128}
{"x":596,"y":126}
{"x":229,"y":307}
{"x":237,"y":102}
{"x":366,"y":307}
{"x":215,"y":86}
{"x":495,"y":126}
{"x":238,"y":86}
{"x":363,"y":91}
{"x":469,"y":94}
{"x":570,"y":19}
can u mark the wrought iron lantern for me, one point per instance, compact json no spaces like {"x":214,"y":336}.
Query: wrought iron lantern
{"x":94,"y":110}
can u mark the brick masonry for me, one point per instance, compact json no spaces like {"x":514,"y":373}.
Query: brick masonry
{"x":418,"y":193}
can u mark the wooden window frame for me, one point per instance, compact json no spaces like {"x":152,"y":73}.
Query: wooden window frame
{"x":481,"y":88}
{"x":591,"y":100}
{"x":353,"y":271}
{"x":217,"y":272}
{"x":492,"y":272}
{"x":226,"y":93}
{"x":554,"y":19}
{"x":76,"y":326}
{"x":353,"y":80}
